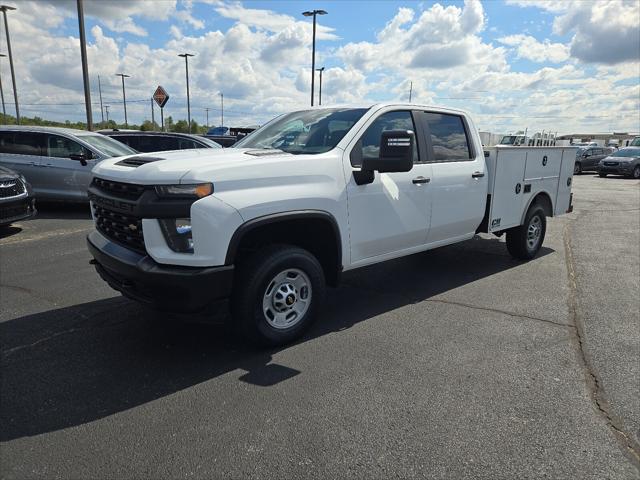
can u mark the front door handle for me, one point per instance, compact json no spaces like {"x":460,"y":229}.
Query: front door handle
{"x":477,"y":174}
{"x":420,"y":179}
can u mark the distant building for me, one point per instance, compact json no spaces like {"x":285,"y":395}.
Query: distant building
{"x":602,"y":139}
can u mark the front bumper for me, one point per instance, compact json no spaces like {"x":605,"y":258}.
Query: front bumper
{"x":620,"y":169}
{"x":15,"y":210}
{"x":169,"y":287}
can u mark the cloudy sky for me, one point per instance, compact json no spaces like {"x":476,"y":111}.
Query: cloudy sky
{"x":556,"y":65}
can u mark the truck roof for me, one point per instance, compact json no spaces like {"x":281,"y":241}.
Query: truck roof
{"x":387,"y":104}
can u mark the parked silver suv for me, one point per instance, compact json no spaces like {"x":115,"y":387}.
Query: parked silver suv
{"x":57,"y":162}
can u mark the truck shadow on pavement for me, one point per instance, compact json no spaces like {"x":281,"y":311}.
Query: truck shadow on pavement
{"x":75,"y":365}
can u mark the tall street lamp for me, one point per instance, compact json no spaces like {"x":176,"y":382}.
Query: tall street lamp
{"x":221,"y":109}
{"x":124,"y":97}
{"x":85,"y":66}
{"x":4,"y":110}
{"x":313,"y":13}
{"x":320,"y":93}
{"x":4,"y":9}
{"x":186,"y":66}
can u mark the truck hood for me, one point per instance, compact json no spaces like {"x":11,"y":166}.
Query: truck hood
{"x":184,"y":166}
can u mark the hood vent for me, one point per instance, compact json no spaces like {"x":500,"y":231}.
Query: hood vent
{"x":135,"y":162}
{"x":265,"y":152}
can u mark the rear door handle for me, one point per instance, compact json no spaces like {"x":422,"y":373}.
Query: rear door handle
{"x":420,"y":179}
{"x":477,"y":174}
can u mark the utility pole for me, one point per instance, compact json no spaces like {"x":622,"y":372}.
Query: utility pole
{"x":124,"y":97}
{"x":186,"y":66}
{"x":313,"y":13}
{"x":320,"y":96}
{"x":410,"y":91}
{"x":4,"y":9}
{"x":153,"y":116}
{"x":100,"y":91}
{"x":221,"y":109}
{"x":85,"y":66}
{"x":4,"y":110}
{"x":106,"y":107}
{"x":207,"y":110}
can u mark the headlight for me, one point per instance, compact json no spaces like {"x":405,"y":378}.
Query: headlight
{"x":177,"y":233}
{"x":185,"y":191}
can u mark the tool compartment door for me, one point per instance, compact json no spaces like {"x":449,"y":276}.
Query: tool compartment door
{"x":565,"y":181}
{"x":542,"y":173}
{"x":509,"y":165}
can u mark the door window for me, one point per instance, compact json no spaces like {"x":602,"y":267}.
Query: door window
{"x":63,"y":147}
{"x":21,"y":143}
{"x":369,"y":144}
{"x":448,"y":137}
{"x":186,"y":144}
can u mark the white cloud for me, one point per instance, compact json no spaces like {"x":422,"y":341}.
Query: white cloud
{"x":531,"y":49}
{"x":604,"y":31}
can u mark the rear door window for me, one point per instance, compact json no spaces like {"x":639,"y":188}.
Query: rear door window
{"x":22,"y":143}
{"x":448,"y":136}
{"x":187,"y":144}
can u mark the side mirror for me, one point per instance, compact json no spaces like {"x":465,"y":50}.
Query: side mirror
{"x":396,"y":152}
{"x":79,"y":157}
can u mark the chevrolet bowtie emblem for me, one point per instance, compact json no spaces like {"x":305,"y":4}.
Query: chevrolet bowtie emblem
{"x":133,"y":227}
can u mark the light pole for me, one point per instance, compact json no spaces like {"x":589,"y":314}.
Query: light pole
{"x":100,"y":92}
{"x":85,"y":66}
{"x":4,"y":9}
{"x":4,"y":110}
{"x":320,"y":92}
{"x":313,"y":13}
{"x":186,"y":66}
{"x":106,"y":109}
{"x":124,"y":97}
{"x":221,"y":109}
{"x":207,"y":110}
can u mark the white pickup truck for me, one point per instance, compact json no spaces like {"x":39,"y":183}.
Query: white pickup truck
{"x":309,"y":195}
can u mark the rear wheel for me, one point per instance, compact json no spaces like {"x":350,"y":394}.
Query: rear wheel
{"x":524,"y":242}
{"x":277,"y":292}
{"x":577,"y":168}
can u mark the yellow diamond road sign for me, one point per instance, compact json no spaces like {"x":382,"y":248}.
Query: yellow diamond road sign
{"x":161,"y":96}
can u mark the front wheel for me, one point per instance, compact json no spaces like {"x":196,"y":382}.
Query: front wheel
{"x":277,"y":292}
{"x":636,"y":172}
{"x":524,"y":242}
{"x":602,"y":174}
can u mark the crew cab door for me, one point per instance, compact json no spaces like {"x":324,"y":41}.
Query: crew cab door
{"x":392,"y":213}
{"x":459,"y":178}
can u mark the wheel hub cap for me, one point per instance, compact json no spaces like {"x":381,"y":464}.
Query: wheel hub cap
{"x":287,"y":298}
{"x":534,"y":232}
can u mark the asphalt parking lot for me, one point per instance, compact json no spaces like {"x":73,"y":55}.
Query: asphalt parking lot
{"x":456,"y":363}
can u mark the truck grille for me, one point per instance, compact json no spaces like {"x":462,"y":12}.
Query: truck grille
{"x":11,"y":188}
{"x":611,"y":164}
{"x":118,"y":189}
{"x":121,"y":228}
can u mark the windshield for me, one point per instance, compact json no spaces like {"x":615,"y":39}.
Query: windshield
{"x":508,"y":140}
{"x":309,"y":131}
{"x":635,"y":142}
{"x":627,"y":152}
{"x":107,"y":145}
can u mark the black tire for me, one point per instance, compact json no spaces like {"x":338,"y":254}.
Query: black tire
{"x":636,"y":172}
{"x":256,"y":274}
{"x":518,"y":241}
{"x":602,"y":174}
{"x":577,"y":168}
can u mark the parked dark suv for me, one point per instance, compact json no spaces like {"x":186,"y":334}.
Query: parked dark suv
{"x":16,"y":197}
{"x":588,"y":158}
{"x":159,"y":141}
